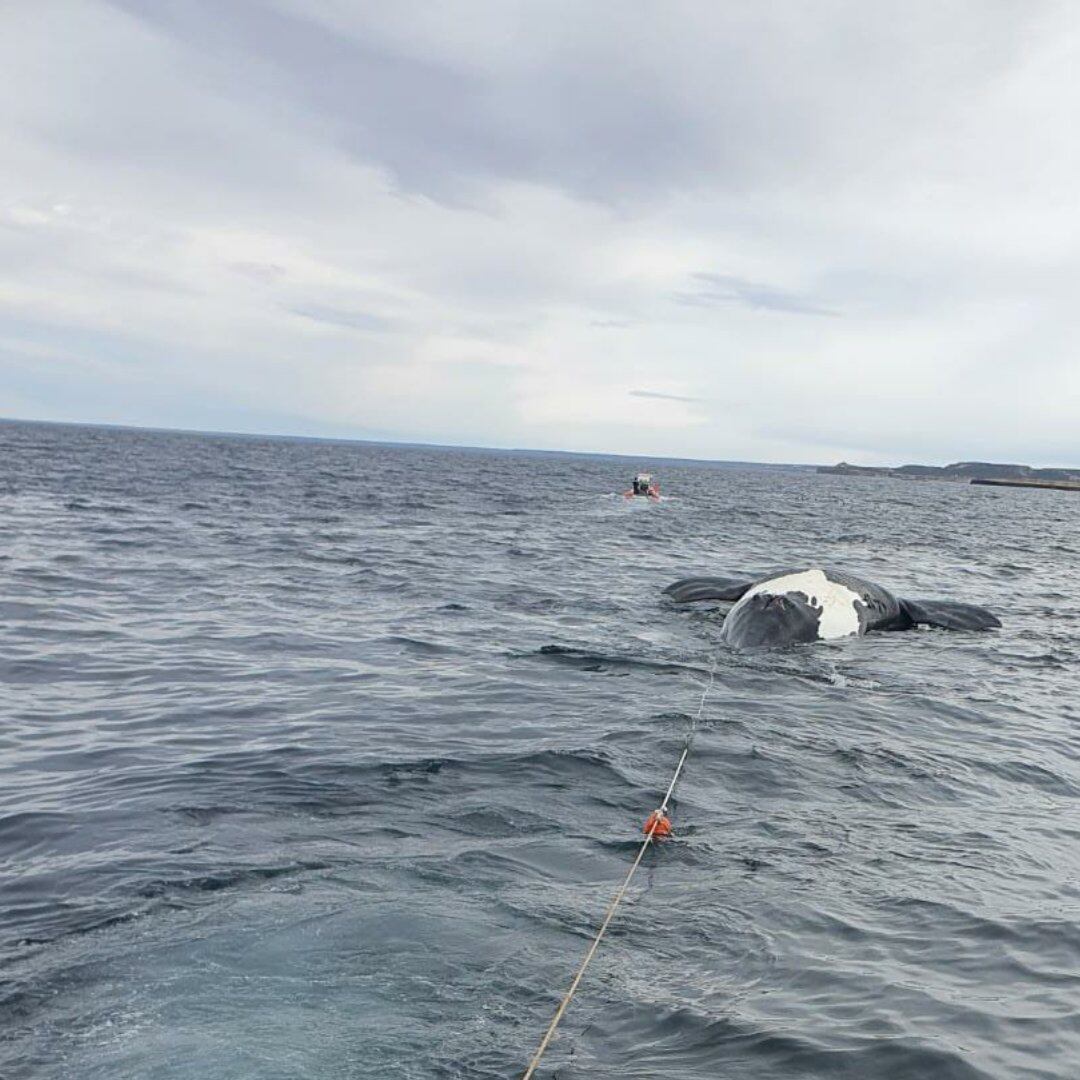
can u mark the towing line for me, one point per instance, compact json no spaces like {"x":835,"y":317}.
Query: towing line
{"x":657,"y":826}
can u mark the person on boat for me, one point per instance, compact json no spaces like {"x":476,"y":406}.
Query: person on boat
{"x":643,"y":485}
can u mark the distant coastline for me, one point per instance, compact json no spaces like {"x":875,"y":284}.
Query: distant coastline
{"x":967,"y":472}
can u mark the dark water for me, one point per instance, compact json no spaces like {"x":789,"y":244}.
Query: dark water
{"x":322,"y":761}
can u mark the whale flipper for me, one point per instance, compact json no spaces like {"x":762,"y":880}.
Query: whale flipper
{"x":691,"y":589}
{"x":948,"y":615}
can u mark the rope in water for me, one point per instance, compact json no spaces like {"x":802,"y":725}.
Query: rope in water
{"x":656,"y":819}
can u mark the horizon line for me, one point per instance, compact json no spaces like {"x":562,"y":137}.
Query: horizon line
{"x":420,"y":444}
{"x":403,"y":443}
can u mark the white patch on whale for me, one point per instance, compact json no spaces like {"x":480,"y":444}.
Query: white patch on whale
{"x":839,"y":615}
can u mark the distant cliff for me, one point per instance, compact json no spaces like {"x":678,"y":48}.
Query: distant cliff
{"x":960,"y":471}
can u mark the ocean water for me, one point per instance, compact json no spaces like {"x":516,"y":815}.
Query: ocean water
{"x":322,"y":760}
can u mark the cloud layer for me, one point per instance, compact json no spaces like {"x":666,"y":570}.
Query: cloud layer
{"x":737,"y":231}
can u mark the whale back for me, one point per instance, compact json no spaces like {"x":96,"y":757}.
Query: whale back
{"x":811,"y":604}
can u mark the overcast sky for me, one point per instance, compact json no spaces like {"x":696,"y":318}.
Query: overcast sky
{"x":763,"y":230}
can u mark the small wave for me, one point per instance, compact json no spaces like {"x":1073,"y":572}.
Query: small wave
{"x":216,"y":881}
{"x":585,"y":660}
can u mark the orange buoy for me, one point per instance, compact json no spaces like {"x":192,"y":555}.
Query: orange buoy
{"x":658,"y":824}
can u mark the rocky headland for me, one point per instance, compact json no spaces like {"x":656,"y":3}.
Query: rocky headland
{"x":967,"y":472}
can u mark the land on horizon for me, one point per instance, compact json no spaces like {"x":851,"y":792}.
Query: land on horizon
{"x":971,"y":472}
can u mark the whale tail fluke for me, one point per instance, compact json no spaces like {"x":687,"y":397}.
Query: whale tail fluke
{"x":691,"y":589}
{"x":949,"y":615}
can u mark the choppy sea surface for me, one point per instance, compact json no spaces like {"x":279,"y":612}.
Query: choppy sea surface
{"x":322,"y":760}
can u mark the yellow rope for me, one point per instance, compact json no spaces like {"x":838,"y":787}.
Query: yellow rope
{"x":657,"y":817}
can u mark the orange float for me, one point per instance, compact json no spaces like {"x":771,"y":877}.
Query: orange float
{"x":658,"y":825}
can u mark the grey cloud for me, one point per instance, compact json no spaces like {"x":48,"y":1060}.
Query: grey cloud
{"x":586,"y":98}
{"x":725,"y":289}
{"x":418,"y":117}
{"x":586,"y":114}
{"x":266,"y":273}
{"x":352,"y":320}
{"x":661,"y":396}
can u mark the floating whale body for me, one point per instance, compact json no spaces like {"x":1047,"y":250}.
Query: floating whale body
{"x":819,"y":604}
